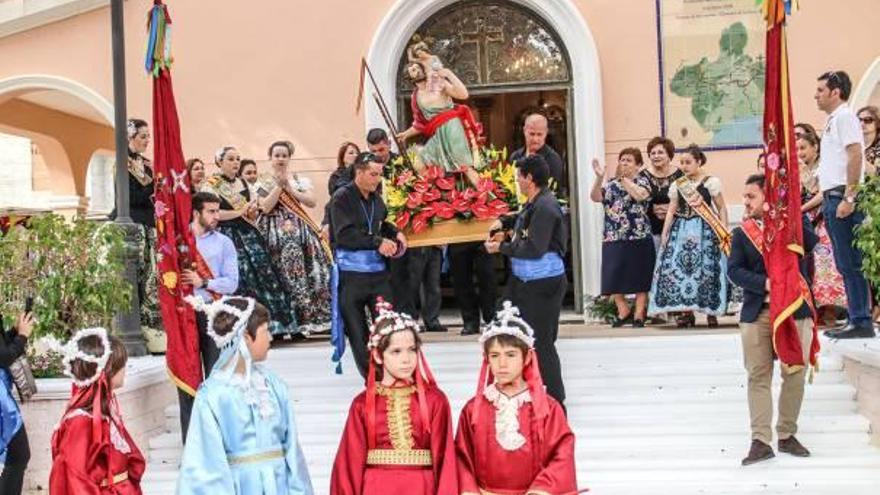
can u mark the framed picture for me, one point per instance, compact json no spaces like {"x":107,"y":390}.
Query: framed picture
{"x":712,"y":68}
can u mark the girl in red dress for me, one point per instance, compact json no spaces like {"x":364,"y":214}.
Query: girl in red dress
{"x":513,"y":438}
{"x":398,"y":437}
{"x":92,"y":452}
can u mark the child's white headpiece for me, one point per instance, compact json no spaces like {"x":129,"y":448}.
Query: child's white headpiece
{"x":508,"y":322}
{"x":401,"y":321}
{"x":214,"y":308}
{"x":72,"y":352}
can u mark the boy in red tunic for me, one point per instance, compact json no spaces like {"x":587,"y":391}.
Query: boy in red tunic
{"x":398,"y":437}
{"x":92,"y":452}
{"x":513,"y":438}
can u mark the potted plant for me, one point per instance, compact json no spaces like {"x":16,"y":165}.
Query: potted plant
{"x":74,"y":272}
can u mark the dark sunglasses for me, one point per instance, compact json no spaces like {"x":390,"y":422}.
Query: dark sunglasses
{"x":867,"y":120}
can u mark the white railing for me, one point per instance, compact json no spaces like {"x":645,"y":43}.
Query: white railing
{"x":21,"y":15}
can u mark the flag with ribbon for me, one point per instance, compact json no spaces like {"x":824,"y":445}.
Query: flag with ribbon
{"x":175,"y":246}
{"x":783,"y":231}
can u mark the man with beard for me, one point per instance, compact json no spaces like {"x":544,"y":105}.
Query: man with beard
{"x":218,"y":278}
{"x":760,"y":342}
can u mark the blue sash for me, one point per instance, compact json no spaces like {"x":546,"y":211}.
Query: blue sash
{"x":527,"y":270}
{"x":10,"y":417}
{"x":361,"y":261}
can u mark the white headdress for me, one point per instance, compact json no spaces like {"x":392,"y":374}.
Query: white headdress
{"x":401,"y":321}
{"x":221,"y":152}
{"x":73,"y":352}
{"x":508,"y":322}
{"x":233,"y":347}
{"x":222,"y":305}
{"x":131,"y":128}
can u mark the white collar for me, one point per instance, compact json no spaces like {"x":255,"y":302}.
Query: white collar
{"x":507,"y":416}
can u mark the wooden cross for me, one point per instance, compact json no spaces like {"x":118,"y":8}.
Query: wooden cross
{"x":481,"y":38}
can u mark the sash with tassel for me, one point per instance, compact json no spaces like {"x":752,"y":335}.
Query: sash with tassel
{"x":689,"y":192}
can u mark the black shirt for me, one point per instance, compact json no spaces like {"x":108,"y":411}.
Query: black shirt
{"x":240,"y":186}
{"x":338,"y":178}
{"x":659,"y":196}
{"x":540,"y":229}
{"x":12,"y":345}
{"x":359,"y":223}
{"x":140,"y":197}
{"x":554,"y":162}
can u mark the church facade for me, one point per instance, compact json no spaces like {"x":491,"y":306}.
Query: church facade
{"x":609,"y":74}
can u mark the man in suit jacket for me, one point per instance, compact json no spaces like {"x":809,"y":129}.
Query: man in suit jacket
{"x":746,"y":268}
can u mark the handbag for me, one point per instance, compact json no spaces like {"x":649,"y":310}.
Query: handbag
{"x":23,"y":378}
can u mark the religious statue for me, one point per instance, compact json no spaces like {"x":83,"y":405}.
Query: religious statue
{"x":453,"y":136}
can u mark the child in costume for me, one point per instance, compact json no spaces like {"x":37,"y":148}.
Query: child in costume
{"x":242,"y":436}
{"x":513,"y":438}
{"x":92,"y":452}
{"x":398,"y":437}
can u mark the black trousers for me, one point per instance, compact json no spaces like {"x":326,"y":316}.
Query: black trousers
{"x":424,"y":278}
{"x":539,"y":303}
{"x":18,"y":454}
{"x":465,"y":259}
{"x":209,"y":354}
{"x":357,"y":304}
{"x":400,"y":296}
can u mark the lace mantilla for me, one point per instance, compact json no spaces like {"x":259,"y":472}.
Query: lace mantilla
{"x":507,"y":417}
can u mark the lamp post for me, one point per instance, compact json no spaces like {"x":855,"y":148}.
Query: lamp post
{"x":128,"y":322}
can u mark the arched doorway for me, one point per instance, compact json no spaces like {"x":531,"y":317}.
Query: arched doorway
{"x":68,"y":126}
{"x":514,"y":64}
{"x":583,"y":108}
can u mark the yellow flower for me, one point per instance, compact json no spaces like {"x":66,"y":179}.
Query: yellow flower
{"x":396,"y":197}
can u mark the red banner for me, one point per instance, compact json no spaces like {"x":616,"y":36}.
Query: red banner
{"x":175,"y":243}
{"x":783,"y":230}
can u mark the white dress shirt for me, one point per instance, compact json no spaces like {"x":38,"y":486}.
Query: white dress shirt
{"x":841,"y":130}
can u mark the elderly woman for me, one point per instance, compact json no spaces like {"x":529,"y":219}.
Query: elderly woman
{"x":627,"y":246}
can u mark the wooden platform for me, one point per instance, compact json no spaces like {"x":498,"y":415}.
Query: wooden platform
{"x":451,"y":232}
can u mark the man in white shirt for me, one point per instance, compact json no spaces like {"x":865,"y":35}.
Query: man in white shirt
{"x":841,"y":169}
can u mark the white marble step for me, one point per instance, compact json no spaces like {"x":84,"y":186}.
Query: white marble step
{"x":651,"y":414}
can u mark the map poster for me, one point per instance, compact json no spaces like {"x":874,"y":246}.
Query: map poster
{"x":712,"y":68}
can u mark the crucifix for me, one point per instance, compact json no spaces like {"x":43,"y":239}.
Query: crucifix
{"x":481,"y":38}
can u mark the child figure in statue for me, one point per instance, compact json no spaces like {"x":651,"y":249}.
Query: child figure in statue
{"x":420,"y":53}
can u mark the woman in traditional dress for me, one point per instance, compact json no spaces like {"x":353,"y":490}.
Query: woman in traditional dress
{"x":142,"y":212}
{"x":627,"y":248}
{"x":294,"y":240}
{"x":195,"y":168}
{"x":692,"y":271}
{"x":828,"y":289}
{"x":258,"y":277}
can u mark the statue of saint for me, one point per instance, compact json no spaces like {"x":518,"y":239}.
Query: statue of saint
{"x":453,"y":136}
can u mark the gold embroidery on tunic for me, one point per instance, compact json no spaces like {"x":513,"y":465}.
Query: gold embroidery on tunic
{"x":391,"y":457}
{"x":398,"y":417}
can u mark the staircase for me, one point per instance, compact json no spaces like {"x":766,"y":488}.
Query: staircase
{"x":659,"y":415}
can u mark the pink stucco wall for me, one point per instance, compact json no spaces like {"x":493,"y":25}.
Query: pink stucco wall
{"x":248,"y":75}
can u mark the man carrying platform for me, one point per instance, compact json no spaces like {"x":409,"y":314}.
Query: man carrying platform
{"x":535,"y":240}
{"x":363,"y":241}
